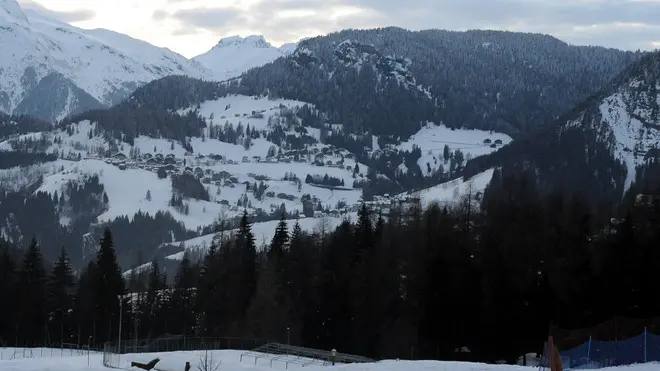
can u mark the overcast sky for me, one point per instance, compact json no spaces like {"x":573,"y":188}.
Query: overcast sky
{"x":191,"y":27}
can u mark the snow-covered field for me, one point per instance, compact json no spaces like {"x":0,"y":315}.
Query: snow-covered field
{"x":229,"y":360}
{"x":431,"y":139}
{"x":452,"y":191}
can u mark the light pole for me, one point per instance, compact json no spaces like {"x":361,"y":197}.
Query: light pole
{"x":288,"y":335}
{"x":89,"y":344}
{"x":121,"y":306}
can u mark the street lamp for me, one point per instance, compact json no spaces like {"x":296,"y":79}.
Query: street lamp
{"x":288,"y":335}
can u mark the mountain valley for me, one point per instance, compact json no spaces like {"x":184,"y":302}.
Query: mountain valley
{"x":105,"y":130}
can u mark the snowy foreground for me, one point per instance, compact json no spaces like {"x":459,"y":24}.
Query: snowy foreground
{"x":230,"y":361}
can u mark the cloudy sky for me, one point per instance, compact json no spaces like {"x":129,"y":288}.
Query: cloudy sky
{"x":191,"y":27}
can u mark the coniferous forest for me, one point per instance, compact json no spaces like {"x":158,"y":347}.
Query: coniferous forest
{"x":419,"y":283}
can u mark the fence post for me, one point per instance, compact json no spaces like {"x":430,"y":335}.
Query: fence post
{"x":645,"y":344}
{"x":589,"y":350}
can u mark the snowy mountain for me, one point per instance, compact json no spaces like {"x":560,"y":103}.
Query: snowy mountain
{"x":602,"y":150}
{"x":234,"y":55}
{"x":626,"y":117}
{"x":51,"y":69}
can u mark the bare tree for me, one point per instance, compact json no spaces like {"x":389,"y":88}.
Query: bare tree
{"x":207,"y":362}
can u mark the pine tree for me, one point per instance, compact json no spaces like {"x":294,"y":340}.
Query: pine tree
{"x":8,"y":293}
{"x":32,"y":314}
{"x":183,"y":297}
{"x":280,"y":240}
{"x":60,"y":297}
{"x":148,"y":197}
{"x":109,"y":286}
{"x":246,"y":257}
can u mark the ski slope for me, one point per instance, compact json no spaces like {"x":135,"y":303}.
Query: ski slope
{"x":229,"y":360}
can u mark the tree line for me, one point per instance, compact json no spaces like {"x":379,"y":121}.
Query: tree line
{"x":415,"y":283}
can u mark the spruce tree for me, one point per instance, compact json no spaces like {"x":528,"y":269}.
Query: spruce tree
{"x":8,"y":293}
{"x":246,"y":257}
{"x":32,"y":315}
{"x":60,"y":297}
{"x":280,"y":240}
{"x":109,"y":286}
{"x":183,"y":297}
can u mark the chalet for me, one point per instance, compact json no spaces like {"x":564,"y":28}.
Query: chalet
{"x":119,"y":156}
{"x":246,"y":159}
{"x":188,"y":169}
{"x":169,"y":161}
{"x":208,"y":172}
{"x":350,"y":155}
{"x":199,"y":170}
{"x":206,"y":180}
{"x":159,"y":156}
{"x":151,"y":162}
{"x":217,"y":157}
{"x":147,"y":156}
{"x":170,"y":155}
{"x":498,"y":141}
{"x":230,"y":162}
{"x":328,"y":163}
{"x":122,"y":167}
{"x":169,"y":167}
{"x":216,"y":177}
{"x":487,"y":141}
{"x":256,"y":158}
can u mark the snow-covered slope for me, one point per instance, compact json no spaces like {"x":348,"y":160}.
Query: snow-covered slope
{"x":625,"y":118}
{"x":95,"y":67}
{"x":129,"y":171}
{"x":451,"y":192}
{"x":264,"y":232}
{"x":234,"y":55}
{"x":432,"y":139}
{"x":230,"y":360}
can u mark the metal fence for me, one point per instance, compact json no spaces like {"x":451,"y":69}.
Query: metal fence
{"x":113,"y":350}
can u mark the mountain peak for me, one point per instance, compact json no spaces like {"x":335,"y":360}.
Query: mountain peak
{"x":256,"y":41}
{"x":11,"y":12}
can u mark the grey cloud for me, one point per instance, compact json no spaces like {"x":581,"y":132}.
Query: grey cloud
{"x":67,"y":17}
{"x":557,"y":17}
{"x":209,"y":18}
{"x":159,"y":15}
